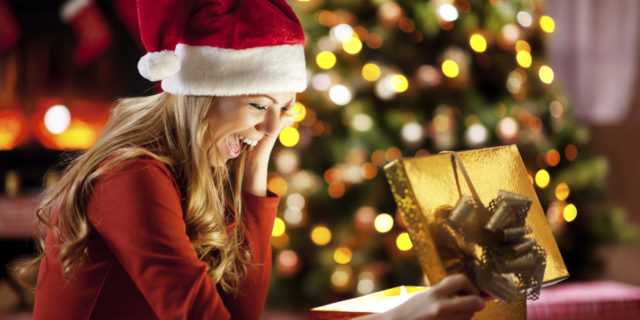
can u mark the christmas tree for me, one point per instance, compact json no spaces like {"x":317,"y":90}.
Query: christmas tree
{"x":394,"y":79}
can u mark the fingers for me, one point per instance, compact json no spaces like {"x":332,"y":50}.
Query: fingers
{"x":455,"y":284}
{"x":464,"y":304}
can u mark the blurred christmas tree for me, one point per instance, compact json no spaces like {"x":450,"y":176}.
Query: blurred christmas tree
{"x":410,"y":78}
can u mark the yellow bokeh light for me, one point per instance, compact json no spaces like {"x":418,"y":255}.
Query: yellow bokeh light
{"x":277,"y":185}
{"x":342,"y":255}
{"x":404,"y":242}
{"x":523,"y":58}
{"x":562,"y":191}
{"x":320,"y":235}
{"x":383,"y":222}
{"x":478,"y":43}
{"x":79,"y":135}
{"x":450,"y":68}
{"x":278,"y":228}
{"x":399,"y":83}
{"x":523,"y":45}
{"x":371,"y":72}
{"x":352,"y":46}
{"x":546,"y":74}
{"x":542,"y":178}
{"x":570,"y":212}
{"x":289,"y":137}
{"x":547,"y":24}
{"x":301,"y":109}
{"x":326,"y":60}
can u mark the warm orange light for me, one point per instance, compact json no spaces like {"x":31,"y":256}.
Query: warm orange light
{"x":553,"y":157}
{"x":277,"y":185}
{"x":369,"y":171}
{"x":571,"y":152}
{"x":13,"y":128}
{"x":393,"y":153}
{"x":336,"y":189}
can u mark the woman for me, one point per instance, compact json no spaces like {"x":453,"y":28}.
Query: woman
{"x":168,"y":215}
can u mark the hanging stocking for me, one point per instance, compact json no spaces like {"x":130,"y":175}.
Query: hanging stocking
{"x":9,"y":30}
{"x":90,"y":27}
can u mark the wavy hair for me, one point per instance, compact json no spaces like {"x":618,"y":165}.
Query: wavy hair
{"x":171,"y":129}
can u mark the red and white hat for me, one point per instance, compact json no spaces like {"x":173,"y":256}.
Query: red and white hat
{"x":222,"y":47}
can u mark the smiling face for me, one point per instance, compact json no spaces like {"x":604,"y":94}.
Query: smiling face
{"x":235,"y":121}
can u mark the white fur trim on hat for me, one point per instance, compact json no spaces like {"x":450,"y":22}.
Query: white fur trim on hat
{"x":71,"y":8}
{"x":212,"y":71}
{"x":159,"y":65}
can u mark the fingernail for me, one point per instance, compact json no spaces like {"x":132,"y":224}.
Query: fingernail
{"x":480,"y":303}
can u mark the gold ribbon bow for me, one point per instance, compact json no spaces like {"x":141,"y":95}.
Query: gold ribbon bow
{"x":490,"y":244}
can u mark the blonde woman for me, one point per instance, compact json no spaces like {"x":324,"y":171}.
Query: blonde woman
{"x":168,"y":216}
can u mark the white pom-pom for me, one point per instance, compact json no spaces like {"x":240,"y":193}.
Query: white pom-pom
{"x":159,"y":65}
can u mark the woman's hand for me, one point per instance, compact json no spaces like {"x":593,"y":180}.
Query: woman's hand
{"x":257,"y":161}
{"x":453,"y":298}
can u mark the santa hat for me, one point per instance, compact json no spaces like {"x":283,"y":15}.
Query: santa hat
{"x":222,"y":47}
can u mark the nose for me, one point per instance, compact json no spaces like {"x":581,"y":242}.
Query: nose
{"x":269,"y":124}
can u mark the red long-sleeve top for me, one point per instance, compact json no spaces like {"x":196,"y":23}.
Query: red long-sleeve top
{"x":140,"y":263}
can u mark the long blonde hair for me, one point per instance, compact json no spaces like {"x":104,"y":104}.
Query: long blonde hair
{"x":171,"y":129}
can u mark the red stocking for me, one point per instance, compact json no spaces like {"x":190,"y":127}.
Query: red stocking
{"x":9,"y":30}
{"x":90,"y":27}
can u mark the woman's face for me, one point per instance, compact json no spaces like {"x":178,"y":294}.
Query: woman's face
{"x":238,"y":120}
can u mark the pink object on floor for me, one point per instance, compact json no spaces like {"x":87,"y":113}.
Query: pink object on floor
{"x":586,"y":301}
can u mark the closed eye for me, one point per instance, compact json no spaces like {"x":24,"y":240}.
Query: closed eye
{"x":258,"y":106}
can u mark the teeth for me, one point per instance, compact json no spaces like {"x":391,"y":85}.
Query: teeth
{"x":247,"y":141}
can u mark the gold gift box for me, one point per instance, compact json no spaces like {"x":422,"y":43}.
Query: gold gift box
{"x":422,"y":185}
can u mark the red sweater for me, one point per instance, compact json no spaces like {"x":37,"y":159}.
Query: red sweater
{"x":140,"y":263}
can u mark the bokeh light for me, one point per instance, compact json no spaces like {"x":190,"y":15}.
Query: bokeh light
{"x":341,"y":277}
{"x":448,"y":12}
{"x":340,"y":95}
{"x":403,"y":242}
{"x":278,"y":228}
{"x":553,"y":157}
{"x":477,"y":135}
{"x":542,"y":178}
{"x":562,"y":191}
{"x":277,"y":185}
{"x":362,"y":122}
{"x":341,"y":32}
{"x":399,"y":83}
{"x":342,"y":255}
{"x":320,"y":235}
{"x":289,"y":136}
{"x":547,"y":24}
{"x":411,"y":132}
{"x":570,"y":212}
{"x":383,"y":222}
{"x":450,"y":68}
{"x":523,"y":58}
{"x":293,"y":216}
{"x":546,"y":74}
{"x":571,"y":152}
{"x":326,"y":60}
{"x":371,"y":72}
{"x":57,"y":119}
{"x":478,"y":43}
{"x":353,"y":45}
{"x":336,"y":189}
{"x":524,"y":19}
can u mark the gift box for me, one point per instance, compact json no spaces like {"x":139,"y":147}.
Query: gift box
{"x":382,"y":301}
{"x":474,"y":212}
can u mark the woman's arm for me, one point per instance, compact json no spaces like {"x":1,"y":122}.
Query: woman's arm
{"x":453,"y":298}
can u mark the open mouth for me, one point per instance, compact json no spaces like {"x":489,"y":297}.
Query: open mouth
{"x":235,"y":144}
